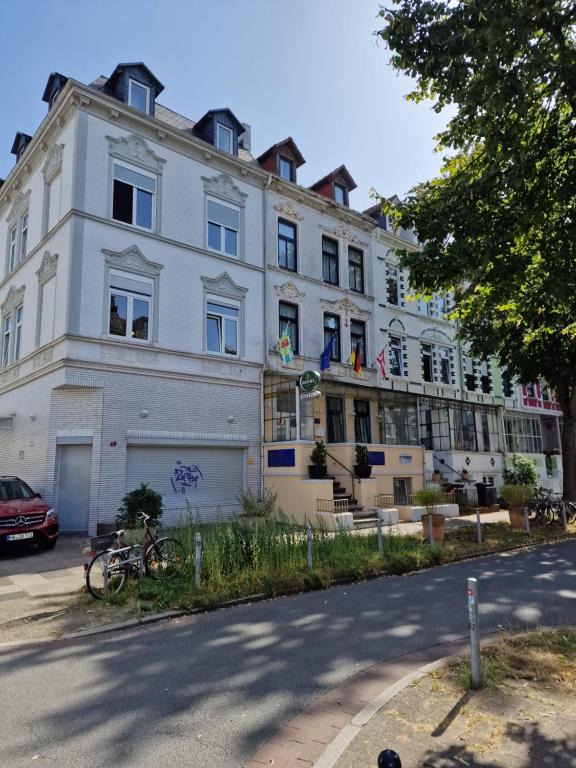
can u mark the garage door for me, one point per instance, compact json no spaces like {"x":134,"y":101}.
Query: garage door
{"x":192,"y":480}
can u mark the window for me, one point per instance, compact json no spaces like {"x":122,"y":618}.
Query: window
{"x":332,"y":329}
{"x":427,"y":368}
{"x":6,"y":336}
{"x":444,"y":358}
{"x":130,"y":306}
{"x":464,"y":430}
{"x":395,"y":347}
{"x":23,"y":236}
{"x":402,"y":490}
{"x":224,"y":138}
{"x":288,"y":323}
{"x":485,"y":381}
{"x":393,"y":286}
{"x":285,"y":168}
{"x":523,"y":434}
{"x":398,"y":420}
{"x":545,"y":393}
{"x":222,"y":328}
{"x":358,"y":337}
{"x":362,"y":432}
{"x":335,"y":421}
{"x":339,"y":194}
{"x":18,"y":332}
{"x":134,"y":196}
{"x":507,"y":385}
{"x":469,"y":374}
{"x":139,"y":96}
{"x":424,"y":307}
{"x":330,"y":261}
{"x":287,"y":256}
{"x":356,"y":269}
{"x":485,"y":431}
{"x":223,"y":228}
{"x":12,"y":249}
{"x":530,"y":390}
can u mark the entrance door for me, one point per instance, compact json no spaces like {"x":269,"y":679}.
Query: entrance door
{"x":73,"y":489}
{"x":402,"y":490}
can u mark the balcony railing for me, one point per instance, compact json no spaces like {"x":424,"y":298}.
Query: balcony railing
{"x":387,"y":501}
{"x":332,"y":505}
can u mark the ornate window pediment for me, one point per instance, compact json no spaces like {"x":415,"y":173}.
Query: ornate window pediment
{"x":223,"y":186}
{"x":135,"y":149}
{"x":289,"y":291}
{"x":132,"y":259}
{"x":53,"y":164}
{"x":343,"y":232}
{"x":346,"y":307}
{"x":14,"y":298}
{"x":19,"y":206}
{"x":288,"y":209}
{"x":434,"y":334}
{"x":396,"y":325}
{"x":224,"y":286}
{"x":48,"y":267}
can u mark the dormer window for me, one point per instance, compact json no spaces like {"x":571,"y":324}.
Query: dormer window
{"x":224,"y":138}
{"x":139,"y":96}
{"x":285,"y":168}
{"x":339,"y":194}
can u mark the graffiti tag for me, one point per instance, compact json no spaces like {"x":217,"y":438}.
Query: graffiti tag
{"x":185,"y":476}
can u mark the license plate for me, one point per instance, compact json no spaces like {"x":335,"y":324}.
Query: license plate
{"x":19,"y":536}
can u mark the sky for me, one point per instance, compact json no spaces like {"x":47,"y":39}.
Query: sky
{"x":310,"y":69}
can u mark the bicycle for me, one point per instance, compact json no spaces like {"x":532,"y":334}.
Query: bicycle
{"x":159,"y":558}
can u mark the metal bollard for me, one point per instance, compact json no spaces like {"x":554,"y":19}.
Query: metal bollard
{"x":474,"y":633}
{"x":379,"y":535}
{"x":478,"y":526}
{"x":526,"y":520}
{"x":198,"y":559}
{"x":389,"y":759}
{"x":564,"y":520}
{"x":309,"y":541}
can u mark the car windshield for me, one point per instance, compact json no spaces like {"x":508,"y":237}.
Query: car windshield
{"x":11,"y":490}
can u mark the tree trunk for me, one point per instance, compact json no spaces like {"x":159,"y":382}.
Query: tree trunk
{"x":569,"y":446}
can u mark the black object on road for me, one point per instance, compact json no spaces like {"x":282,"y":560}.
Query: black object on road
{"x":389,"y":759}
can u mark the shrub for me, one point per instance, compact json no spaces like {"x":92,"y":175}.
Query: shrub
{"x":318,"y":455}
{"x":517,"y":495}
{"x":523,"y":471}
{"x":254,"y":506}
{"x":429,"y":498}
{"x":361,"y":455}
{"x":143,"y":499}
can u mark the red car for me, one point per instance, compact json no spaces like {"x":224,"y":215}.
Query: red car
{"x":24,"y":517}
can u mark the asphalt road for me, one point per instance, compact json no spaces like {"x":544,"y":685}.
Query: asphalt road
{"x":208,"y":690}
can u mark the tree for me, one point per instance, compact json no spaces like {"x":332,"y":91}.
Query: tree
{"x":498,"y":226}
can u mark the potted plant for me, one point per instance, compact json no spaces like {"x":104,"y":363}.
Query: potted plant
{"x":430,"y":498}
{"x":362,"y":468}
{"x":317,"y":470}
{"x":517,"y":496}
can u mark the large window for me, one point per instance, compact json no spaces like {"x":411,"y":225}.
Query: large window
{"x":393,"y":286}
{"x":6,"y":339}
{"x":362,"y":431}
{"x":398,"y":419}
{"x":485,"y":378}
{"x":12,"y":324}
{"x":130,"y":306}
{"x":507,"y":383}
{"x":469,"y":374}
{"x":224,"y":138}
{"x":134,"y":196}
{"x":358,"y":338}
{"x":427,"y":367}
{"x":280,"y":410}
{"x":395,"y":348}
{"x":465,"y":430}
{"x":332,"y":330}
{"x":287,"y":255}
{"x":139,"y":96}
{"x":12,"y":248}
{"x":223,"y":227}
{"x":335,"y":419}
{"x":19,"y":317}
{"x":285,"y":168}
{"x":222,"y":328}
{"x":23,"y":236}
{"x":330,"y":261}
{"x":444,"y":360}
{"x":523,"y":434}
{"x":17,"y":242}
{"x":356,"y":269}
{"x":288,"y":323}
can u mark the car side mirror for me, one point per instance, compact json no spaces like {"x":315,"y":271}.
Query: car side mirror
{"x":37,"y":495}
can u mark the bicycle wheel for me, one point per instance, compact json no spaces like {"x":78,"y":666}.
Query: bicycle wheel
{"x":95,"y":575}
{"x":570,"y":511}
{"x":164,"y":559}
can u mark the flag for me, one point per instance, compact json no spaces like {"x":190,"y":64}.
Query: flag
{"x":357,"y":358}
{"x":326,"y":355}
{"x":284,"y":347}
{"x":380,"y":360}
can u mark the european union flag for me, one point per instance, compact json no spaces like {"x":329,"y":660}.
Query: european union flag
{"x":326,"y":355}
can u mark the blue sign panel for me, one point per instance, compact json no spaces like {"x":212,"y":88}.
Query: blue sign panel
{"x":376,"y":458}
{"x":284,"y":457}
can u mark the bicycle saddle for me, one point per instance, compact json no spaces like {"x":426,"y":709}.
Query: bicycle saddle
{"x":117,"y":534}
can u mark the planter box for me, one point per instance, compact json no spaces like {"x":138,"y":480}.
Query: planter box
{"x":411,"y":514}
{"x":448,"y":510}
{"x":388,"y":516}
{"x":335,"y":521}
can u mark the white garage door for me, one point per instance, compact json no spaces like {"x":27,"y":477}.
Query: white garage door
{"x":192,"y":480}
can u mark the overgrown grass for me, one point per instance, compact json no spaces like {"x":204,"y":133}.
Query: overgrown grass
{"x":269,"y":557}
{"x":536,"y":656}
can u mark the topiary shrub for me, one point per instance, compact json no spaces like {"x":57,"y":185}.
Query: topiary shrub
{"x":143,"y":499}
{"x":523,"y":471}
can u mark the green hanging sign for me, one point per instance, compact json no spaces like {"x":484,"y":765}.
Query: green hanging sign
{"x":309,"y":381}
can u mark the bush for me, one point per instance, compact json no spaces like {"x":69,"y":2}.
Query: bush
{"x":142,"y":499}
{"x":361,"y":455}
{"x":254,"y":506}
{"x":318,"y":455}
{"x":523,"y":471}
{"x":517,"y":495}
{"x":428,"y":497}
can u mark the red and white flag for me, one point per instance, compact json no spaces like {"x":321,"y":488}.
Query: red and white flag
{"x":380,"y":360}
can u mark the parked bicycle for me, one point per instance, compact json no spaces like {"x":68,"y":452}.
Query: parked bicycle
{"x":159,"y":558}
{"x":547,"y":507}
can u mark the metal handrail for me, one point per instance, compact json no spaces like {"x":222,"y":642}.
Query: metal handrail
{"x":445,"y":464}
{"x":332,"y":505}
{"x":352,"y":475}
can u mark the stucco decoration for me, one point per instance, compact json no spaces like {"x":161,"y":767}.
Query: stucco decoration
{"x":286,"y":208}
{"x":344,"y":233}
{"x":345,"y":307}
{"x":396,"y":325}
{"x":223,"y":285}
{"x":135,"y":149}
{"x":19,"y":206}
{"x":435,"y":335}
{"x":289,"y":291}
{"x":48,"y":267}
{"x":53,"y":164}
{"x":223,"y":186}
{"x":14,"y":298}
{"x":134,"y":260}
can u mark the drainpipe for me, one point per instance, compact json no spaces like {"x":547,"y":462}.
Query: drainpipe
{"x":264,"y":341}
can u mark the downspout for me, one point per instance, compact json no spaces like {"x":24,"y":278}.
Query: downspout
{"x":264,"y":340}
